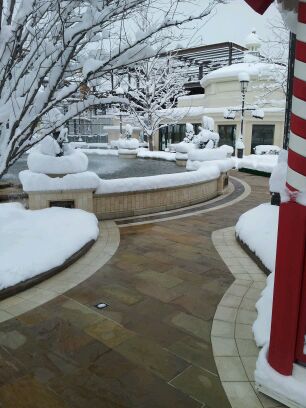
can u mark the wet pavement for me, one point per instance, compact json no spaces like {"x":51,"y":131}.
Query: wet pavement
{"x":151,"y":347}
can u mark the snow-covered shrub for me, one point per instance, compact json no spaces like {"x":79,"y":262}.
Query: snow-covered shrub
{"x":210,"y":144}
{"x":128,"y":131}
{"x":267,"y":149}
{"x":208,"y":123}
{"x":75,"y":162}
{"x":189,"y":135}
{"x":205,"y":135}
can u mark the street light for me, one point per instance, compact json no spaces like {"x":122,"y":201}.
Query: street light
{"x":244,"y":79}
{"x":120,"y":92}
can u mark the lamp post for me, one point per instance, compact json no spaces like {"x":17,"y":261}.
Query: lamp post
{"x":244,"y":80}
{"x":120,"y":92}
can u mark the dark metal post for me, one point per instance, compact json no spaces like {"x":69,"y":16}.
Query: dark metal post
{"x":242,"y":114}
{"x":230,"y":54}
{"x":291,"y":59}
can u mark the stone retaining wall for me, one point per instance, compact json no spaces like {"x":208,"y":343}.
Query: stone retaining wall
{"x":126,"y":204}
{"x":117,"y":205}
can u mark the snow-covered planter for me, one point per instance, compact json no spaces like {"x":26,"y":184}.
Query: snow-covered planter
{"x":128,"y":147}
{"x":267,"y":149}
{"x":207,"y":154}
{"x":35,"y":242}
{"x":75,"y":162}
{"x":264,"y":163}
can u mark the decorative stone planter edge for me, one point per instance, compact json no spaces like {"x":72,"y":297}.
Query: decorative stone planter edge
{"x":253,"y":256}
{"x":29,"y":283}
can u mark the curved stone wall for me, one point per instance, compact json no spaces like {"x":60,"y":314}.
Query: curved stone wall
{"x":117,"y":205}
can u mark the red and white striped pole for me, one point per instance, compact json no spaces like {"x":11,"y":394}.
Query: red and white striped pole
{"x":289,"y":302}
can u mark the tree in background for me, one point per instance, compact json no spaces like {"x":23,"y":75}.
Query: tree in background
{"x":153,"y":89}
{"x":45,"y":43}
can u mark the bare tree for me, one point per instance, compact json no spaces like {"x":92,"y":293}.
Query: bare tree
{"x":45,"y":42}
{"x":154,"y":86}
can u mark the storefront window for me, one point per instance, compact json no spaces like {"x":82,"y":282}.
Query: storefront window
{"x":262,"y":135}
{"x":227,"y":135}
{"x":173,"y":134}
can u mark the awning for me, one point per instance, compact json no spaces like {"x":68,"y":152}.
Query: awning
{"x":260,"y":6}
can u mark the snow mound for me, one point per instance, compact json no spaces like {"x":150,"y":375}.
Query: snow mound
{"x":207,"y":154}
{"x":184,"y":147}
{"x":32,"y":242}
{"x":147,"y":154}
{"x":131,"y":143}
{"x":264,"y":163}
{"x":228,"y":149}
{"x":257,"y":228}
{"x":76,"y":162}
{"x":267,"y":149}
{"x":277,"y":182}
{"x":127,"y":151}
{"x":223,"y":165}
{"x":41,"y":182}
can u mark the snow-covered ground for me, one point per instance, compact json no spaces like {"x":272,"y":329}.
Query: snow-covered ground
{"x":264,"y":162}
{"x":32,"y":242}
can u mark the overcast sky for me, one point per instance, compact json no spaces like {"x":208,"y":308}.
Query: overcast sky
{"x":233,"y":22}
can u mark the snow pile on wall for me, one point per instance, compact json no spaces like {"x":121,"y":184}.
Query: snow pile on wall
{"x":32,"y":242}
{"x":257,"y":228}
{"x":224,"y":165}
{"x":41,"y":182}
{"x":131,"y":143}
{"x":75,"y":162}
{"x":267,"y":149}
{"x":207,"y":154}
{"x":265,"y":162}
{"x":147,"y":154}
{"x":184,"y":147}
{"x":156,"y":182}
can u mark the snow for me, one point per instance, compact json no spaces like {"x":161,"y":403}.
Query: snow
{"x":289,"y":387}
{"x":101,"y":152}
{"x":240,"y":144}
{"x":75,"y":162}
{"x":128,"y":143}
{"x":224,"y":165}
{"x":127,"y":152}
{"x":32,"y":242}
{"x":184,"y":147}
{"x":255,"y":70}
{"x":229,"y":150}
{"x":266,"y":149}
{"x":278,"y":177}
{"x":265,"y":163}
{"x":244,"y":76}
{"x":207,"y":154}
{"x":257,"y":228}
{"x":156,"y":182}
{"x":49,"y":146}
{"x":147,"y":154}
{"x":41,"y":182}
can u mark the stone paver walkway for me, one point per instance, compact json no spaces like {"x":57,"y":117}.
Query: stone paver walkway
{"x":151,"y":347}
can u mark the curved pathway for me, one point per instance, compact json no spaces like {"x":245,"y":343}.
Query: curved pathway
{"x":151,"y":347}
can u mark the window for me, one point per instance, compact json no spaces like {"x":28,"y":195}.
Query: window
{"x":227,"y":135}
{"x":173,"y":134}
{"x":262,"y":135}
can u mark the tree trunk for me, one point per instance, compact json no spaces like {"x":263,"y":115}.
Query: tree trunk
{"x":150,"y":139}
